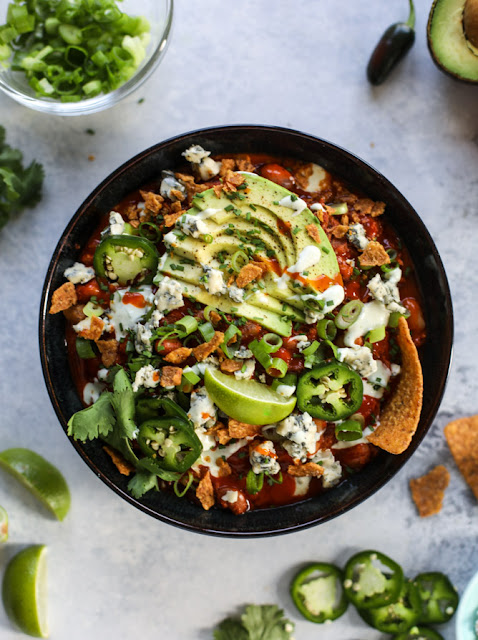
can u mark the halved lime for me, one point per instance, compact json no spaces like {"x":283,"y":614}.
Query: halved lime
{"x":24,"y":591}
{"x":247,"y":400}
{"x":40,"y":477}
{"x":3,"y":525}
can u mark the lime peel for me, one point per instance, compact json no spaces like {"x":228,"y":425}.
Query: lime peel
{"x":24,"y":591}
{"x":247,"y":400}
{"x":40,"y":477}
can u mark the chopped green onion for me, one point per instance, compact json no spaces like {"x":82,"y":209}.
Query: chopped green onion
{"x":348,"y":430}
{"x":376,"y":335}
{"x":207,"y":238}
{"x":191,"y":377}
{"x":231,"y":331}
{"x":182,"y":492}
{"x":348,"y":314}
{"x":187,"y":325}
{"x":254,"y":482}
{"x":207,"y":312}
{"x":395,"y":317}
{"x":326,"y":329}
{"x":238,"y":260}
{"x":271,"y":343}
{"x":91,"y":309}
{"x":338,"y":209}
{"x":311,"y":349}
{"x":207,"y":331}
{"x":277,"y":368}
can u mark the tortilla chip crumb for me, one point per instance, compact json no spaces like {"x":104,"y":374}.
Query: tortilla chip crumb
{"x":177,"y":196}
{"x":63,"y":298}
{"x":303,"y":470}
{"x":191,"y":187}
{"x":153,"y":201}
{"x":227,"y":164}
{"x":428,"y":491}
{"x":171,"y":376}
{"x":220,"y":432}
{"x":231,"y":181}
{"x":313,"y":231}
{"x":178,"y":356}
{"x":95,"y":329}
{"x":214,"y":318}
{"x":245,"y":164}
{"x":247,"y":274}
{"x":340,"y":231}
{"x":229,"y":366}
{"x":108,"y":350}
{"x":204,"y":350}
{"x":401,"y":414}
{"x":170,"y":219}
{"x":240,"y":430}
{"x":224,"y":468}
{"x":374,"y":255}
{"x":462,"y":438}
{"x":123,"y":466}
{"x":377,"y":209}
{"x":205,"y":492}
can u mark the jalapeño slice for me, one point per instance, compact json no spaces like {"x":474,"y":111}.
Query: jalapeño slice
{"x":126,"y":259}
{"x":170,"y":442}
{"x":330,"y":391}
{"x":147,"y":408}
{"x":372,"y":579}
{"x":419,"y":633}
{"x":438,"y":597}
{"x":317,"y":592}
{"x":396,"y":617}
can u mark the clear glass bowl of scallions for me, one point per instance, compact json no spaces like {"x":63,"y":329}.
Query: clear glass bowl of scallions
{"x":73,"y":57}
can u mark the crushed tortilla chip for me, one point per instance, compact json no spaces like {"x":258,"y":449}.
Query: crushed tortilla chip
{"x":108,"y":350}
{"x":224,"y":468}
{"x":309,"y":469}
{"x":340,"y":231}
{"x":245,"y":164}
{"x":428,"y":491}
{"x":462,"y":438}
{"x":401,"y":414}
{"x":177,"y":196}
{"x":227,"y":164}
{"x":240,"y":430}
{"x":170,"y":219}
{"x":178,"y":356}
{"x":153,"y":201}
{"x":313,"y":231}
{"x":231,"y":181}
{"x":171,"y":376}
{"x":374,"y":255}
{"x":63,"y":298}
{"x":191,"y":187}
{"x":205,"y":492}
{"x":123,"y":466}
{"x":95,"y":329}
{"x":214,"y":318}
{"x":229,"y":366}
{"x":247,"y":274}
{"x":204,"y":350}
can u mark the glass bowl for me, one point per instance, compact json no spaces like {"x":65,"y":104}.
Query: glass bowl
{"x":160,"y":16}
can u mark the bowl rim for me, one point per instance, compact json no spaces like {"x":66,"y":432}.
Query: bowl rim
{"x":446,"y":343}
{"x":104,"y":100}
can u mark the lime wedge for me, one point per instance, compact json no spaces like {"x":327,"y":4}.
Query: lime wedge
{"x":24,"y":591}
{"x":247,"y":400}
{"x":40,"y":477}
{"x":3,"y":525}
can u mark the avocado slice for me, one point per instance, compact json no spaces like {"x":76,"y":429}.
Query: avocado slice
{"x":268,"y":223}
{"x":453,"y":38}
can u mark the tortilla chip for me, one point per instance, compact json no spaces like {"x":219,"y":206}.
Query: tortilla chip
{"x":153,"y":201}
{"x":247,"y":274}
{"x":179,"y":355}
{"x":171,"y":376}
{"x":462,"y":438}
{"x":229,"y":366}
{"x":224,"y":468}
{"x":313,"y":231}
{"x":401,"y":414}
{"x":204,"y":350}
{"x":108,"y":350}
{"x":123,"y":466}
{"x":374,"y":255}
{"x":95,"y":329}
{"x":63,"y":298}
{"x":205,"y":492}
{"x":309,"y":469}
{"x":241,"y":430}
{"x":428,"y":491}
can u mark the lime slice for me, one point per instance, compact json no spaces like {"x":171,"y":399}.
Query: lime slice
{"x":40,"y":477}
{"x":247,"y":400}
{"x":24,"y":591}
{"x":3,"y":525}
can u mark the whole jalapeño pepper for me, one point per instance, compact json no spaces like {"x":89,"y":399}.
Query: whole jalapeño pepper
{"x":391,"y":48}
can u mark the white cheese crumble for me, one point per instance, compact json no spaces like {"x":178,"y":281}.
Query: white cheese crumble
{"x":168,"y":183}
{"x":285,"y":390}
{"x":147,"y":377}
{"x":92,"y":392}
{"x":211,"y":453}
{"x":169,"y":295}
{"x":199,"y":157}
{"x":202,"y":411}
{"x":78,"y":273}
{"x":192,"y":226}
{"x":386,"y":291}
{"x":302,"y":485}
{"x":263,"y":458}
{"x":195,"y":154}
{"x":143,"y":338}
{"x":236,"y":293}
{"x":215,"y":282}
{"x":332,"y":467}
{"x":360,"y":359}
{"x":372,"y":316}
{"x":294,"y":203}
{"x":116,"y":223}
{"x":308,"y":257}
{"x":208,"y":168}
{"x":356,"y":235}
{"x":377,"y":381}
{"x":243,"y":353}
{"x":300,"y":432}
{"x":230,"y":496}
{"x":249,"y":368}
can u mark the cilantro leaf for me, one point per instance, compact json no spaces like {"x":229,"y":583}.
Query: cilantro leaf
{"x":230,"y":629}
{"x":266,"y":622}
{"x":150,"y":465}
{"x":19,"y":187}
{"x":94,"y":421}
{"x":142,"y":482}
{"x":123,"y":405}
{"x":121,"y":444}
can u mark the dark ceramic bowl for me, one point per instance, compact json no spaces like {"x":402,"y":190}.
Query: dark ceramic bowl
{"x":435,"y":354}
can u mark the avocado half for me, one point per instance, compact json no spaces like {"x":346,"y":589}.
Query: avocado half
{"x":452,"y":35}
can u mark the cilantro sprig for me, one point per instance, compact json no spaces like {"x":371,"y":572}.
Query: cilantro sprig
{"x":258,"y":622}
{"x":20,"y":187}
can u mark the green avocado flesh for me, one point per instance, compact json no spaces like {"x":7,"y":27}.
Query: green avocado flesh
{"x":448,"y":43}
{"x":252,"y":221}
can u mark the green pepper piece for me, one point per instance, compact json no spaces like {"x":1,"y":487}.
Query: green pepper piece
{"x":372,"y":579}
{"x":317,"y":592}
{"x":126,"y":259}
{"x":419,"y":633}
{"x":170,"y":442}
{"x":147,"y":408}
{"x":395,"y":617}
{"x":331,"y":391}
{"x":84,"y":349}
{"x":438,"y":597}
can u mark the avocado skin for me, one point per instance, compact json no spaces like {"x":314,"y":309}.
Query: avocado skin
{"x":435,"y":57}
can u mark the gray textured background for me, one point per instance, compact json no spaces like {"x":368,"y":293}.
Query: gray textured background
{"x":114,"y":572}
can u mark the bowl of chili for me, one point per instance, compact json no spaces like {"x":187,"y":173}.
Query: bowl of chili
{"x":263,"y":146}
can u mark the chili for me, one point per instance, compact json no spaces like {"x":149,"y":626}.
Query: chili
{"x":372,"y":579}
{"x":126,"y":259}
{"x":318,"y":594}
{"x":438,"y":597}
{"x":396,"y":617}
